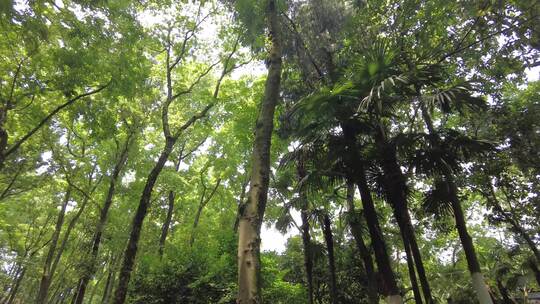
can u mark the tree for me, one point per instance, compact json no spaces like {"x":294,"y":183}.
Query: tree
{"x":252,"y":212}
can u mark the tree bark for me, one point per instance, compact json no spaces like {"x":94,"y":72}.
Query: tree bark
{"x":136,"y":225}
{"x":305,"y":231}
{"x":395,"y":187}
{"x":204,"y":200}
{"x":46,"y":275}
{"x":356,"y":230}
{"x":308,"y":254}
{"x":249,"y":283}
{"x":329,"y":240}
{"x":412,"y":273}
{"x":478,"y":281}
{"x":167,"y":223}
{"x":389,"y":286}
{"x":104,"y":212}
{"x":15,"y":288}
{"x":479,"y":284}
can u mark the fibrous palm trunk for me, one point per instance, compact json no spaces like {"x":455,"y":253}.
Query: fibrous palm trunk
{"x":305,"y":230}
{"x":395,"y":187}
{"x":329,"y":240}
{"x":461,"y":226}
{"x":389,"y":286}
{"x":412,"y":273}
{"x":356,"y":230}
{"x":251,"y":215}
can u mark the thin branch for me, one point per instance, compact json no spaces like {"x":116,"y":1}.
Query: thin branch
{"x":187,"y":36}
{"x":204,"y":111}
{"x":460,"y":49}
{"x":299,"y":37}
{"x":16,"y":146}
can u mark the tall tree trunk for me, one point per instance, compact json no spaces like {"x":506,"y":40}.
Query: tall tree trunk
{"x":395,"y":187}
{"x":46,"y":275}
{"x":308,"y":253}
{"x":167,"y":223}
{"x":504,"y":293}
{"x":536,"y":271}
{"x":478,"y":281}
{"x":100,"y":227}
{"x":389,"y":286}
{"x":412,"y":272}
{"x":305,"y":230}
{"x":15,"y":287}
{"x":249,"y":283}
{"x":356,"y":230}
{"x":329,"y":240}
{"x":136,"y":225}
{"x":109,"y":284}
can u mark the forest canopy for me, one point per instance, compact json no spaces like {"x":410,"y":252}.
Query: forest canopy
{"x":269,"y":151}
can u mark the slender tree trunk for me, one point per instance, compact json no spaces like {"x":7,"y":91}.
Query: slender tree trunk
{"x":104,"y":212}
{"x":395,"y":186}
{"x":15,"y":287}
{"x":107,"y":288}
{"x":308,"y":254}
{"x":536,"y":271}
{"x":478,"y":281}
{"x":240,"y":204}
{"x":389,"y":286}
{"x":167,"y":223}
{"x":65,"y":239}
{"x":356,"y":230}
{"x":305,"y":230}
{"x":204,"y":200}
{"x":136,"y":226}
{"x":412,"y":273}
{"x":504,"y":293}
{"x":329,"y":240}
{"x":249,"y":283}
{"x":46,"y":276}
{"x":109,"y":285}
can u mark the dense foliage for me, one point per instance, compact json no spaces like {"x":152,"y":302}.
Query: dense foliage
{"x":379,"y":150}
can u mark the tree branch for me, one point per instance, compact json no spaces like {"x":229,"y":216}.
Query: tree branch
{"x":16,"y":146}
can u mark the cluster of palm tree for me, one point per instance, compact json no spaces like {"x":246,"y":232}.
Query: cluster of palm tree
{"x":348,"y":136}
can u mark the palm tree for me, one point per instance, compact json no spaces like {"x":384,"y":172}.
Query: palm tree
{"x":330,"y":161}
{"x":444,"y":150}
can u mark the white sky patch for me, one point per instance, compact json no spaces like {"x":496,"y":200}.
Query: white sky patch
{"x":254,"y":69}
{"x":71,"y":205}
{"x":128,"y":178}
{"x":533,"y":74}
{"x":273,"y":240}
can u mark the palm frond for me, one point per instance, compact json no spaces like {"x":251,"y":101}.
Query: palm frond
{"x":437,"y":200}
